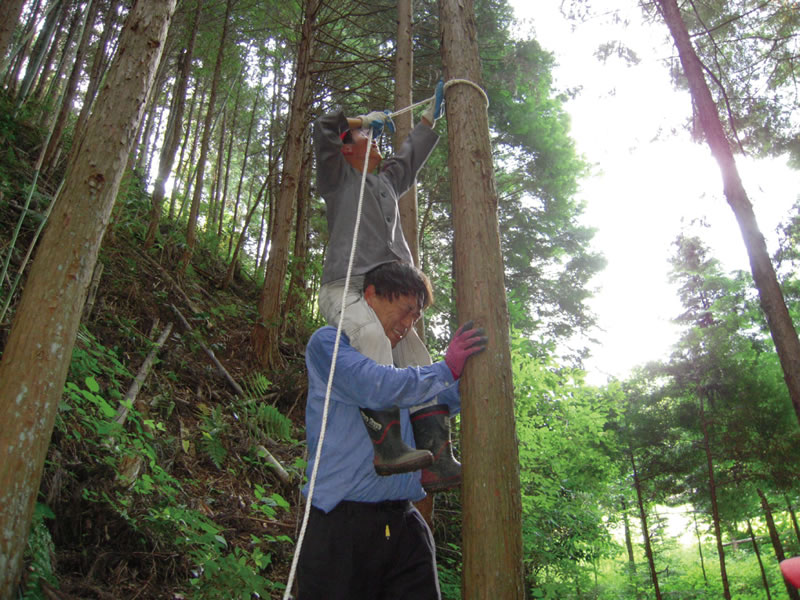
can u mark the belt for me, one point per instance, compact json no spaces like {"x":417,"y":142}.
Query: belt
{"x":387,"y":506}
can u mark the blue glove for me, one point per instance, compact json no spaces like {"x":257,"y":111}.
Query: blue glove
{"x":376,"y":120}
{"x":436,"y":107}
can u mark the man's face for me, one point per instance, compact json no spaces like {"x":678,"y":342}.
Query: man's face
{"x":397,"y":316}
{"x":354,"y":153}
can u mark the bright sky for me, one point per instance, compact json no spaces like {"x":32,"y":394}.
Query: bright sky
{"x":650,"y":178}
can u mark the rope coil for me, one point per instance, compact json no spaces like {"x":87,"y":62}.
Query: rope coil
{"x":313,"y":478}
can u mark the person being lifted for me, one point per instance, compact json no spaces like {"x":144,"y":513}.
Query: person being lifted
{"x":341,"y":149}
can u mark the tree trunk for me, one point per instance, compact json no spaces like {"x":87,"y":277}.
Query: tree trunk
{"x":764,"y":579}
{"x":172,"y":137}
{"x":491,"y":499}
{"x":700,"y":548}
{"x":40,"y":49}
{"x":776,"y":541}
{"x":297,"y":295}
{"x":780,"y":324}
{"x":266,"y":332}
{"x":404,"y":79}
{"x":793,"y":517}
{"x":99,"y":65}
{"x":55,"y":46}
{"x":231,"y":270}
{"x":179,"y":185}
{"x":10,"y":10}
{"x":37,"y":356}
{"x":404,"y":74}
{"x":54,"y":146}
{"x":229,"y":155}
{"x":191,"y":229}
{"x":648,"y":546}
{"x":712,"y":491}
{"x":245,"y":157}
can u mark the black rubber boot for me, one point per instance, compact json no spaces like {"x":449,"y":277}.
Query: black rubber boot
{"x":432,"y":432}
{"x":392,"y":455}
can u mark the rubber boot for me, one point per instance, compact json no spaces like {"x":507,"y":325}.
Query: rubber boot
{"x":392,"y":455}
{"x":432,"y":432}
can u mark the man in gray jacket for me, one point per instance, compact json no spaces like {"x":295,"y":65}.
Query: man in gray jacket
{"x":340,"y":145}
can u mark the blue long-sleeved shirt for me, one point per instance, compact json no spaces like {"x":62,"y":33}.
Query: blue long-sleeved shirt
{"x":346,"y":471}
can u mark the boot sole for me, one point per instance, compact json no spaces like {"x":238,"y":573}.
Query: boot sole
{"x":407,"y":467}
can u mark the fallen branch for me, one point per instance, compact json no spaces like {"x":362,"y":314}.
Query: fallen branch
{"x":282,"y":473}
{"x":223,"y":371}
{"x":144,"y":371}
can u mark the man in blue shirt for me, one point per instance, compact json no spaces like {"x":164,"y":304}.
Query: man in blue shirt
{"x":365,"y":540}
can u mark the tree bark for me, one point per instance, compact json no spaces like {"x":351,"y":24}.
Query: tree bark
{"x":172,"y":136}
{"x":37,"y":356}
{"x":266,"y":332}
{"x":491,"y":498}
{"x":770,"y":295}
{"x":194,"y":210}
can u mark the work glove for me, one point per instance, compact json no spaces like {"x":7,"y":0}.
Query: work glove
{"x":466,"y":342}
{"x":376,"y":120}
{"x":436,"y":106}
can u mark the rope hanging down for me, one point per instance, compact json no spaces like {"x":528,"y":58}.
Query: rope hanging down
{"x":312,"y":480}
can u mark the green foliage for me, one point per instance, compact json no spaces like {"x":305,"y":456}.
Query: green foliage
{"x":39,"y":554}
{"x":263,"y":421}
{"x":152,"y":502}
{"x":213,"y":427}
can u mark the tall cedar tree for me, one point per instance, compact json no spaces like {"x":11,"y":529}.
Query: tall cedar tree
{"x":37,"y":356}
{"x":492,"y":538}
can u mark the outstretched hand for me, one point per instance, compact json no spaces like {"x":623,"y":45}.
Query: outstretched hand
{"x":436,"y":106}
{"x":466,"y":342}
{"x":376,"y":120}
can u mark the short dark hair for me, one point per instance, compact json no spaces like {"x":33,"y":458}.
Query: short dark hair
{"x":400,"y":279}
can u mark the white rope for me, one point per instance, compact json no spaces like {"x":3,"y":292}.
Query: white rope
{"x":313,"y":479}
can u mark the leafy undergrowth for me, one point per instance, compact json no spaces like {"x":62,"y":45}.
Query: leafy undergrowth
{"x":168,"y":495}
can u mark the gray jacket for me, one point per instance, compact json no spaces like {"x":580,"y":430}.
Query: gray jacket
{"x":380,"y":236}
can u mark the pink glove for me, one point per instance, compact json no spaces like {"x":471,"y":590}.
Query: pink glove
{"x":466,"y":342}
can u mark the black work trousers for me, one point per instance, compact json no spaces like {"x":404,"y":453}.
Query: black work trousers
{"x":364,"y":551}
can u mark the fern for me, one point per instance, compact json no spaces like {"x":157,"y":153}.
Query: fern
{"x":256,"y":386}
{"x":213,"y":426}
{"x":272,"y":422}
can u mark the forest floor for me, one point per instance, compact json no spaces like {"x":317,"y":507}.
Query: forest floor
{"x":113,"y":531}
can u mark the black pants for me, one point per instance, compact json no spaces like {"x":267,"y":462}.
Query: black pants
{"x":362,"y":551}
